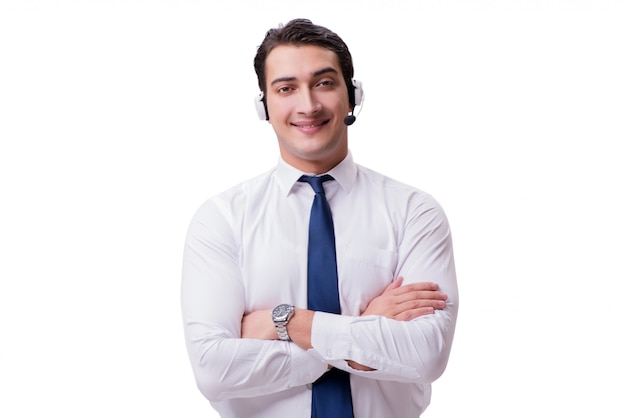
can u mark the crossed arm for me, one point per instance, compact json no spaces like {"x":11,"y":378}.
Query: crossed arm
{"x":404,"y":334}
{"x":398,"y":302}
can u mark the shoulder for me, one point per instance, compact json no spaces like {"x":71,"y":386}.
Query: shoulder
{"x":398,"y":196}
{"x":380,"y":183}
{"x":233,"y":200}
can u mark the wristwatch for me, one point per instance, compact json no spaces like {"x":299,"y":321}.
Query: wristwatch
{"x":281,"y":316}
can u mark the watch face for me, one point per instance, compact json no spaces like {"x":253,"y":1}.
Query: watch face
{"x":281,"y":311}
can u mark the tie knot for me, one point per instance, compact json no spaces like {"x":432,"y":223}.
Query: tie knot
{"x":316,"y":181}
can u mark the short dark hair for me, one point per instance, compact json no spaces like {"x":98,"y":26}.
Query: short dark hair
{"x":304,"y":32}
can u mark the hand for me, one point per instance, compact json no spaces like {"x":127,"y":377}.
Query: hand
{"x":404,"y":303}
{"x":360,"y":367}
{"x":259,"y":325}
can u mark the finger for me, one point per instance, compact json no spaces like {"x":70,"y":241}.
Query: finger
{"x":409,"y":307}
{"x":430,"y":295}
{"x":417,"y":287}
{"x":414,"y":313}
{"x":408,"y":296}
{"x":422,"y":286}
{"x":415,"y":304}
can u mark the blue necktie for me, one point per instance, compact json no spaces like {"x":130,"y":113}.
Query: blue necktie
{"x":331,"y":392}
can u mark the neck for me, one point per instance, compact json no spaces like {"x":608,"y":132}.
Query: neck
{"x":313,"y":166}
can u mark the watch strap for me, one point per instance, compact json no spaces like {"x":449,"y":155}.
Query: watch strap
{"x":281,"y":329}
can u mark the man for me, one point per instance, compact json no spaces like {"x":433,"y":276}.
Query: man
{"x":252,"y":248}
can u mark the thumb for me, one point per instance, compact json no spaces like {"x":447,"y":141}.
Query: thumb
{"x":394,"y":285}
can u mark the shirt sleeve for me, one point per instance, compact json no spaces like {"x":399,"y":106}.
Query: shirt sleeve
{"x":405,"y":351}
{"x":213,"y":304}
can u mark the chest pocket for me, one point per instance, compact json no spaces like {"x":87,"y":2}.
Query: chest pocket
{"x":364,"y":272}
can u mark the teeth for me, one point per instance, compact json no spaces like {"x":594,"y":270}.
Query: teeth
{"x":311,"y":126}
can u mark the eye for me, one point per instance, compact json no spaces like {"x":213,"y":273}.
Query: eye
{"x":284,"y":89}
{"x":326,"y":83}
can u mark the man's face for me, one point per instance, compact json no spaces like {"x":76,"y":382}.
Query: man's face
{"x":307,"y":100}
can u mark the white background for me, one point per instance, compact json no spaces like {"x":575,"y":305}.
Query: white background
{"x":119,"y":118}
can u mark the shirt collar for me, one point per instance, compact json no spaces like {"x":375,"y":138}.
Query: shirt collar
{"x":344,"y":173}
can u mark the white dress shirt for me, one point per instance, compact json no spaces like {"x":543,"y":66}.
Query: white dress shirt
{"x":246,"y":250}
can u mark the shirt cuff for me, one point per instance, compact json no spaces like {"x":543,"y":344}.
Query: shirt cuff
{"x":308,"y":366}
{"x":330,"y":336}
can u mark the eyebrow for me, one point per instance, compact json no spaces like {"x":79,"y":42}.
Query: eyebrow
{"x":315,"y":74}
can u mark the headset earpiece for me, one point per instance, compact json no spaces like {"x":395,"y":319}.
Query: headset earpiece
{"x":358,"y":101}
{"x":358,"y":92}
{"x":261,"y":108}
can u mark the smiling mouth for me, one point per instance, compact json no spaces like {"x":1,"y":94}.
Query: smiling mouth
{"x":310,"y":125}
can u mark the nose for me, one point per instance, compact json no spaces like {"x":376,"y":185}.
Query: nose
{"x":308,"y":104}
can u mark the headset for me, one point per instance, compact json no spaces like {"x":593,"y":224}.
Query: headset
{"x":261,"y":105}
